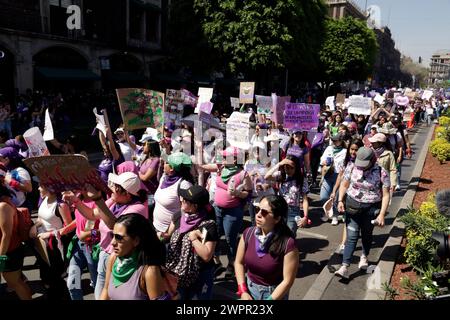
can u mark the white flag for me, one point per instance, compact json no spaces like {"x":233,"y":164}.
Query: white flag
{"x":48,"y":128}
{"x":100,"y":122}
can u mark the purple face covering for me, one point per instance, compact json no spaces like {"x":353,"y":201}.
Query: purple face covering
{"x":190,"y":221}
{"x":262,"y":248}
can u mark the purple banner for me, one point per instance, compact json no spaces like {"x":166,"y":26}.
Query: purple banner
{"x":279,"y":104}
{"x":301,"y":116}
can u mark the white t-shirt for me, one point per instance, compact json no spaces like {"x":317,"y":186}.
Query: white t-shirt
{"x":47,"y":214}
{"x":167,"y":204}
{"x":338,"y":159}
{"x":21,"y":175}
{"x":126,"y":151}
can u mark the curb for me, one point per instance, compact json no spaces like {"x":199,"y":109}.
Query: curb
{"x":391,"y":249}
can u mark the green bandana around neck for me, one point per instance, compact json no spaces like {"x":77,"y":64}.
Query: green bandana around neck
{"x":227,"y":173}
{"x":336,"y":150}
{"x":124,"y":268}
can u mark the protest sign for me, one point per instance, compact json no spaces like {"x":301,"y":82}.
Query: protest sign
{"x":188,"y":97}
{"x":234,"y":103}
{"x":280,"y":104}
{"x":59,"y":173}
{"x":238,"y":130}
{"x":246,"y":92}
{"x":35,"y":142}
{"x":204,"y":95}
{"x":379,"y":99}
{"x":206,"y":107}
{"x":100,"y":120}
{"x":402,"y":100}
{"x":427,"y":95}
{"x":359,"y":105}
{"x":48,"y":128}
{"x":141,"y":108}
{"x":301,"y":116}
{"x":330,"y":103}
{"x":173,"y":107}
{"x":340,"y":99}
{"x":264,"y":105}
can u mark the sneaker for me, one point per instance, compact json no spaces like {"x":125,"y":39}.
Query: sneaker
{"x":324,"y":217}
{"x":363,"y":263}
{"x":342,"y":272}
{"x":397,"y":188}
{"x":334,"y":221}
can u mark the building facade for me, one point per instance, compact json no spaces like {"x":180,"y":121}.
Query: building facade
{"x":338,"y":9}
{"x":116,"y":44}
{"x":439,"y":67}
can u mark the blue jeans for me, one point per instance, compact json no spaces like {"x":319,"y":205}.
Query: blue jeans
{"x":360,"y":221}
{"x":292,"y":213}
{"x":101,"y":273}
{"x":399,"y":172}
{"x":81,"y":259}
{"x":261,"y":292}
{"x":326,"y":189}
{"x":202,"y":288}
{"x":229,"y":222}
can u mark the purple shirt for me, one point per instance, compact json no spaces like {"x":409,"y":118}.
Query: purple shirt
{"x":151,"y":184}
{"x":267,"y":270}
{"x":129,"y":290}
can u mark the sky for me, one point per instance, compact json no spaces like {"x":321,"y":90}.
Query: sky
{"x":418,"y":27}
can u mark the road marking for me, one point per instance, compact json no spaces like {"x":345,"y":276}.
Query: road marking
{"x":312,"y":234}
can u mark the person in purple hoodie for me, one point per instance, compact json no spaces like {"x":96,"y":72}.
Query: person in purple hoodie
{"x":268,"y":253}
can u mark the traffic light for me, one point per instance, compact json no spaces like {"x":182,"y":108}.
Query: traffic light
{"x":420,"y":60}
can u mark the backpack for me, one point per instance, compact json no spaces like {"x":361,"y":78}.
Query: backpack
{"x":21,"y":227}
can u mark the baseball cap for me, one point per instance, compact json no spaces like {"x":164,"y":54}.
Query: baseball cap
{"x":179,"y":159}
{"x":379,"y":137}
{"x":119,"y":130}
{"x":364,"y":156}
{"x":195,"y":194}
{"x":374,"y":126}
{"x":127,"y":180}
{"x":10,"y":153}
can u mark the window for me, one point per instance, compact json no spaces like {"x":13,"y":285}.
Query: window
{"x":152,"y":26}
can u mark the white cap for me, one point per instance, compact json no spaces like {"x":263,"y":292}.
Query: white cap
{"x":119,"y":130}
{"x":127,"y":180}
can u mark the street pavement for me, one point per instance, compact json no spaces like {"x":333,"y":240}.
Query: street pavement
{"x":317,"y":244}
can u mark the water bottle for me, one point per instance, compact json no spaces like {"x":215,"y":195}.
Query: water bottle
{"x":374,"y":222}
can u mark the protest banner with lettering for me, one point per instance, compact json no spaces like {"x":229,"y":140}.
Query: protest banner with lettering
{"x":264,"y":105}
{"x":141,"y":108}
{"x":35,"y":142}
{"x":48,"y":128}
{"x":280,"y":104}
{"x":246,"y":92}
{"x":204,"y":95}
{"x":340,"y":99}
{"x":330,"y":103}
{"x":238,"y":130}
{"x":173,"y":107}
{"x":427,"y":95}
{"x":301,"y":116}
{"x":234,"y":103}
{"x":59,"y":173}
{"x":360,"y":105}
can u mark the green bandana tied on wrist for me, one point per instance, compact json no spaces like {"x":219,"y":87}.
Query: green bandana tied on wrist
{"x":227,"y":173}
{"x":3,"y":260}
{"x":124,"y":268}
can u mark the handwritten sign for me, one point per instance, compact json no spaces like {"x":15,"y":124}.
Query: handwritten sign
{"x":60,"y":173}
{"x":280,"y":104}
{"x":234,"y":103}
{"x":301,"y":116}
{"x":330,"y":103}
{"x":427,"y":95}
{"x":238,"y":130}
{"x":141,"y":108}
{"x":264,"y":105}
{"x":360,"y":105}
{"x":246,"y":92}
{"x":340,"y":99}
{"x":173,"y":107}
{"x":204,"y":95}
{"x":35,"y":142}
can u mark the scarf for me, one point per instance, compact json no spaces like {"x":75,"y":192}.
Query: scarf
{"x":262,"y":242}
{"x":118,"y":208}
{"x":170,"y":181}
{"x":379,"y":151}
{"x":124,"y":268}
{"x":190,"y":221}
{"x":336,"y":150}
{"x":228,"y":172}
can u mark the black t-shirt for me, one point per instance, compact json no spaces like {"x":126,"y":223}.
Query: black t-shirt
{"x":211,"y":235}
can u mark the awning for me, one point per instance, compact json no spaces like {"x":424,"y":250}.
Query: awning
{"x":123,"y":76}
{"x":66,"y":74}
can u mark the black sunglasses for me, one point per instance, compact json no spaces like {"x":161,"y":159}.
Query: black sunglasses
{"x":118,"y":237}
{"x":264,"y":212}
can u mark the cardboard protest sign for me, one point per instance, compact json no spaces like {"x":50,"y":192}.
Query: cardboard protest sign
{"x":238,"y":130}
{"x":280,"y":104}
{"x":402,"y":100}
{"x":264,"y":105}
{"x":204,"y":95}
{"x":48,"y":128}
{"x":35,"y":142}
{"x":330,"y":103}
{"x":234,"y":103}
{"x":301,"y":116}
{"x":427,"y":95}
{"x":141,"y":108}
{"x":379,"y":99}
{"x":360,"y":105}
{"x":188,"y":97}
{"x":246,"y":92}
{"x":59,"y":173}
{"x":340,"y":99}
{"x":206,"y":107}
{"x":173,"y":107}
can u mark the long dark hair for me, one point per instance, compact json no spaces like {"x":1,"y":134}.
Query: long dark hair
{"x":359,"y":143}
{"x":185,"y":173}
{"x":298,"y":175}
{"x":281,"y":231}
{"x":151,"y":250}
{"x":153,"y":149}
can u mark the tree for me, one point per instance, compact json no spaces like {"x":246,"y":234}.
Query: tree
{"x":262,"y":35}
{"x":420,"y":73}
{"x":348,"y":51}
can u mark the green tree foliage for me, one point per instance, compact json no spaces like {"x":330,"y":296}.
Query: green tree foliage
{"x":255,"y":34}
{"x":348,"y":51}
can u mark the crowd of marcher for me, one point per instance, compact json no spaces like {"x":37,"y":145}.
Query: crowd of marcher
{"x":157,"y":236}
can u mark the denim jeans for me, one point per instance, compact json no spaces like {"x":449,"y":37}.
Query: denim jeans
{"x":202,"y":288}
{"x":101,"y":273}
{"x":81,"y":259}
{"x":356,"y":223}
{"x":327,"y":188}
{"x":399,"y":172}
{"x":229,"y":222}
{"x":429,"y":119}
{"x":292,"y":213}
{"x":261,"y":292}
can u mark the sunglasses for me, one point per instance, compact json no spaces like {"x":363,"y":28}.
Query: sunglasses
{"x":118,"y":237}
{"x":263,"y":212}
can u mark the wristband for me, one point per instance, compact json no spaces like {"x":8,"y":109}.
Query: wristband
{"x":241,"y":289}
{"x":3,"y":260}
{"x":15,"y":184}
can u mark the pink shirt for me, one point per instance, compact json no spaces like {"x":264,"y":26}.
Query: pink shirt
{"x":81,"y":220}
{"x":106,"y":233}
{"x":222,"y":198}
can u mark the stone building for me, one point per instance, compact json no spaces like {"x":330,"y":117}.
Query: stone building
{"x":439,"y":67}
